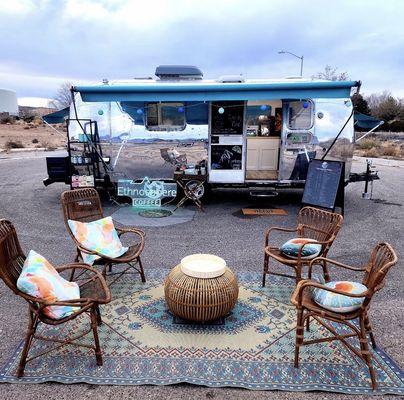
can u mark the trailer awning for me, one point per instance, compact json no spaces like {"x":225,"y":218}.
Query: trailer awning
{"x":56,"y":117}
{"x":199,"y":91}
{"x":365,"y":121}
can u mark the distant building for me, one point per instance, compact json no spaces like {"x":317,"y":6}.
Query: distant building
{"x":8,"y":102}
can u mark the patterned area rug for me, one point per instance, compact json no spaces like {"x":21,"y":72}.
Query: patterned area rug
{"x":252,"y":348}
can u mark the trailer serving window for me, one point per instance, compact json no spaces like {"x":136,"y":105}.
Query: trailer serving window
{"x":300,"y":115}
{"x":258,"y":120}
{"x":165,"y":116}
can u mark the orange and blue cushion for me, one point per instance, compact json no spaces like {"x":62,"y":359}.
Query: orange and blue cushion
{"x":40,"y":279}
{"x":99,"y":236}
{"x":291,"y":248}
{"x":338,"y":302}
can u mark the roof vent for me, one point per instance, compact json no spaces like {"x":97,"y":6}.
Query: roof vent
{"x":178,"y":72}
{"x":231,"y":79}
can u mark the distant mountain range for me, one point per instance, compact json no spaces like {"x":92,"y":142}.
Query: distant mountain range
{"x":36,"y":102}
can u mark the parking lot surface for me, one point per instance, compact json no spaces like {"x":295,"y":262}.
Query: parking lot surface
{"x":222,"y":230}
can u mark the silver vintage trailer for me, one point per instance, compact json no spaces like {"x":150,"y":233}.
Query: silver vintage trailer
{"x":238,"y":132}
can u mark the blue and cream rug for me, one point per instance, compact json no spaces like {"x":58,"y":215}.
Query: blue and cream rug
{"x":253,"y":349}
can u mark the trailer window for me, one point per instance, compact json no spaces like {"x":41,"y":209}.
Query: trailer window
{"x":165,"y":116}
{"x":300,"y":114}
{"x":258,"y":120}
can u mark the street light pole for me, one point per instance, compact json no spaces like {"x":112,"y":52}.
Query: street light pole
{"x":301,"y":58}
{"x":301,"y":66}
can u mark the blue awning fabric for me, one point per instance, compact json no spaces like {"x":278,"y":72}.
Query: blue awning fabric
{"x":199,"y":92}
{"x":196,"y":113}
{"x":131,"y":108}
{"x":365,"y":121}
{"x":56,"y":117}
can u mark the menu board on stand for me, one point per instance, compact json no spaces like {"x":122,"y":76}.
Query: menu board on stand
{"x":325,"y":186}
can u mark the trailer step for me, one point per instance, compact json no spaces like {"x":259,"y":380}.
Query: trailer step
{"x":263,"y":193}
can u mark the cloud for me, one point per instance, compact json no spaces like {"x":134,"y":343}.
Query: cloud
{"x":47,"y":42}
{"x":16,"y":7}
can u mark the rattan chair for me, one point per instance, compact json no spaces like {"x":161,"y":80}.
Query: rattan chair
{"x":381,"y":260}
{"x":312,"y":223}
{"x":93,"y":291}
{"x":84,"y":205}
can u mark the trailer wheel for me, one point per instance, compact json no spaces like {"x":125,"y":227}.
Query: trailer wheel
{"x":196,"y":188}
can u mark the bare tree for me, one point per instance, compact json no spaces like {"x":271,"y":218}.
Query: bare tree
{"x":330,"y":74}
{"x":63,"y":97}
{"x":375,"y":99}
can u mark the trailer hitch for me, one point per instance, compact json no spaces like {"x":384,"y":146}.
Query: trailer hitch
{"x":368,"y":176}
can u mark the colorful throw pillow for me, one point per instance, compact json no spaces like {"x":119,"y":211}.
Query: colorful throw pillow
{"x":338,"y":302}
{"x":100,"y":236}
{"x":292,"y":246}
{"x":40,"y":279}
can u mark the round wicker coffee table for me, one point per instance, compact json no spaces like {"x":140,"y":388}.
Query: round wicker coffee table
{"x":200,"y":293}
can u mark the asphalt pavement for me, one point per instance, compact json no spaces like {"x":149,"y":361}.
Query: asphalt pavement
{"x":35,"y":211}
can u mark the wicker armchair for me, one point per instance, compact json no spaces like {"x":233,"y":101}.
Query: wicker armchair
{"x":381,"y":260}
{"x":84,"y":205}
{"x":312,"y":223}
{"x":93,"y":291}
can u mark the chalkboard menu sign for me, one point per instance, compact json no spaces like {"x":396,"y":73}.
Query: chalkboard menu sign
{"x":226,"y":156}
{"x":227,"y":118}
{"x":325,"y":184}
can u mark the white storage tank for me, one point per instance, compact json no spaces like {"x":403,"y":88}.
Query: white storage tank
{"x":8,"y":102}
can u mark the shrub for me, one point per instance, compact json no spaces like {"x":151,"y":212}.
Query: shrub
{"x":48,"y":146}
{"x":10,"y":144}
{"x":35,"y":141}
{"x":368,"y":143}
{"x":373,"y":152}
{"x":390,"y":150}
{"x":37,"y":121}
{"x":28,"y":118}
{"x":7,"y":119}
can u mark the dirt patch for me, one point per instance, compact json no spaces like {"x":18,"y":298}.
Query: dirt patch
{"x":31,"y":135}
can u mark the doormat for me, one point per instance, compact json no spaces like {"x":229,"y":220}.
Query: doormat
{"x":264,"y":211}
{"x":143,"y":344}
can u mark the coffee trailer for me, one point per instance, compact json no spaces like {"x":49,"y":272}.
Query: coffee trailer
{"x":257,"y":134}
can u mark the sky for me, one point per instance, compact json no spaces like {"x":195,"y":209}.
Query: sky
{"x":47,"y":42}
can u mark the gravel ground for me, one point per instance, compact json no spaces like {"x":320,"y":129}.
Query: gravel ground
{"x":35,"y":211}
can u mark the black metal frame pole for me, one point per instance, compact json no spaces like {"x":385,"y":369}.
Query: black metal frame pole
{"x":339,"y":133}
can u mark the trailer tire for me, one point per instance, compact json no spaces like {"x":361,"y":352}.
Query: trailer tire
{"x":205,"y":193}
{"x":200,"y":192}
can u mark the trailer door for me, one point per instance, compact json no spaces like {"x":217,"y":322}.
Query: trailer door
{"x":227,"y":142}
